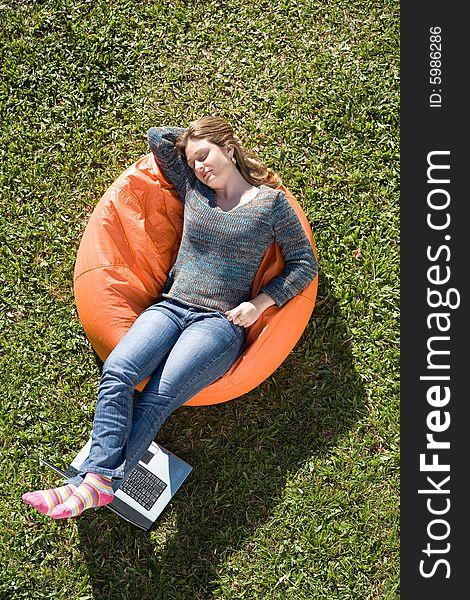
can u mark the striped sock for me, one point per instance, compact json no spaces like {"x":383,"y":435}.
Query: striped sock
{"x":46,"y":500}
{"x":94,"y":491}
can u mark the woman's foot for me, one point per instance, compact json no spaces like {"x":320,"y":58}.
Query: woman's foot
{"x":96,"y":490}
{"x":46,"y":500}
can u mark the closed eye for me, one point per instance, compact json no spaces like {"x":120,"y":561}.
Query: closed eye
{"x":199,"y":158}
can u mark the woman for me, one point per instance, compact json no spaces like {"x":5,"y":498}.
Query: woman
{"x":195,"y":331}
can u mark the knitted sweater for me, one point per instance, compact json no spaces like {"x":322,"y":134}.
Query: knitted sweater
{"x":221,"y":251}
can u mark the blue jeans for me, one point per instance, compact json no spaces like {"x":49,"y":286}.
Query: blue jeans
{"x":183,"y":349}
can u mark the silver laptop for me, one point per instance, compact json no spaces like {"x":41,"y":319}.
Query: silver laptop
{"x":147,"y":489}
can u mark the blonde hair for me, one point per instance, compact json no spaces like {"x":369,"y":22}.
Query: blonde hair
{"x":219,"y":132}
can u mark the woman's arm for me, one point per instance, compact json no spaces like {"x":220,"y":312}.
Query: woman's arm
{"x":174,"y":167}
{"x":300,"y":266}
{"x":300,"y":263}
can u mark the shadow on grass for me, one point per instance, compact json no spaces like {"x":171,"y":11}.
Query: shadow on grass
{"x":242,"y":453}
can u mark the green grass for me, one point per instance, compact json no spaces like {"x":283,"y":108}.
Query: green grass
{"x":295,"y":489}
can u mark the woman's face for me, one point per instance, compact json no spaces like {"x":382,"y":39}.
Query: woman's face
{"x":211,"y":164}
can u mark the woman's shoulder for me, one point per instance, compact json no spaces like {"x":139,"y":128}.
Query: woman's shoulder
{"x":274,"y":199}
{"x":270,"y":194}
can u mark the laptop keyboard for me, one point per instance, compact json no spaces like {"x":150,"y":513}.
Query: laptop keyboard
{"x":143,"y":486}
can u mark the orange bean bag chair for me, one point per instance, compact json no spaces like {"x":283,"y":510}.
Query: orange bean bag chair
{"x":127,"y":249}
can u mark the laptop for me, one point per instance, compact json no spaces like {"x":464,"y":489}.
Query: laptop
{"x":147,"y":489}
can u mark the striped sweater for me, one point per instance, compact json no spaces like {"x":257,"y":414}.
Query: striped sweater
{"x":221,"y":251}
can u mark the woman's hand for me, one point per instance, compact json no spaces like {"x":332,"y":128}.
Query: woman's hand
{"x":246,"y":313}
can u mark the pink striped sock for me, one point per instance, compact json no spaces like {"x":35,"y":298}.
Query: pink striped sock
{"x":94,"y":491}
{"x":46,"y":500}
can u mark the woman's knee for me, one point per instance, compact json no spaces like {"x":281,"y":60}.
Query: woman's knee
{"x":119,"y":368}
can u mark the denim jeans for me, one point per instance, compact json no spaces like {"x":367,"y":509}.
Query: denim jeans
{"x":183,"y":349}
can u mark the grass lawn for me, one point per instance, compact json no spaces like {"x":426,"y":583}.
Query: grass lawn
{"x":295,"y":489}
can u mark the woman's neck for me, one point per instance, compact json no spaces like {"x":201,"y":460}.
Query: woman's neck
{"x":236,"y":189}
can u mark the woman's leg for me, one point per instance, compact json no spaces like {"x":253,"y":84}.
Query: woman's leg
{"x":136,"y":356}
{"x":205,"y":351}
